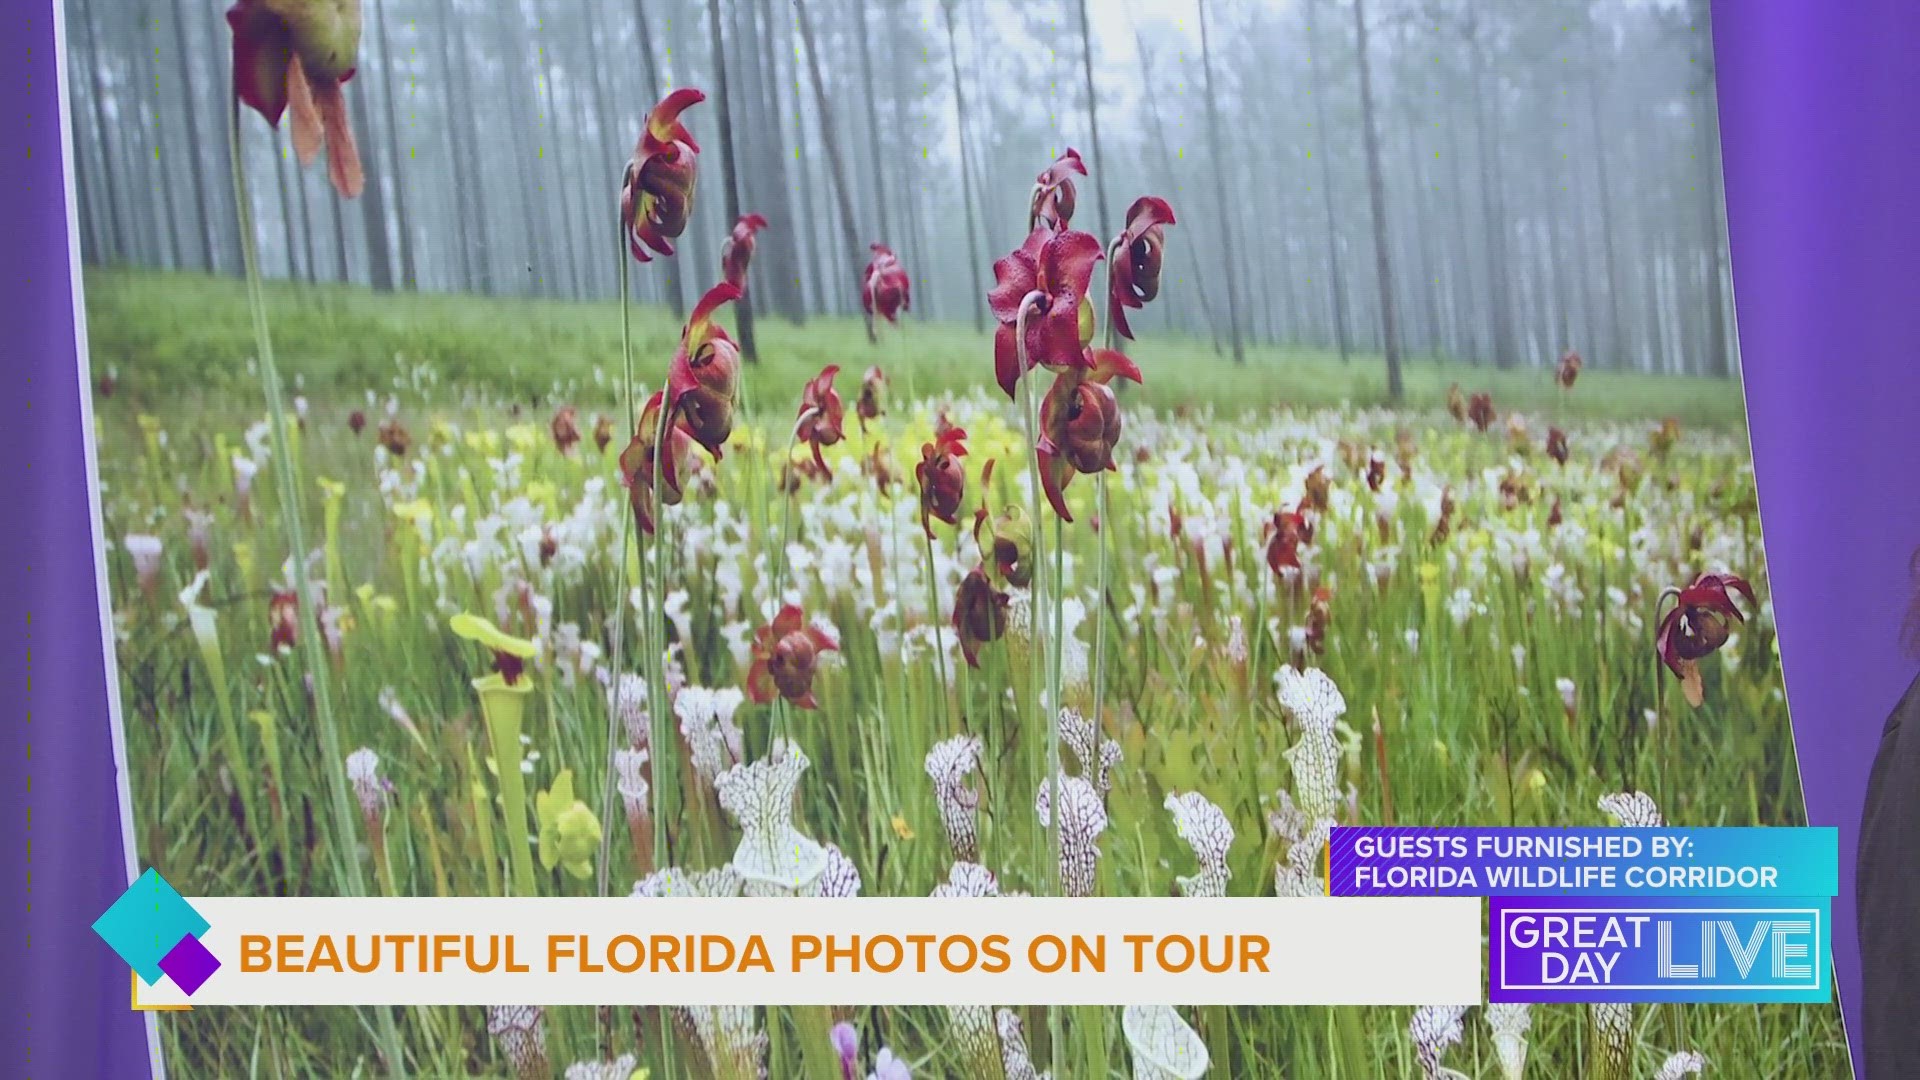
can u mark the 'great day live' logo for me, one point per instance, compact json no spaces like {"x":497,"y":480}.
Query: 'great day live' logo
{"x":1671,"y":949}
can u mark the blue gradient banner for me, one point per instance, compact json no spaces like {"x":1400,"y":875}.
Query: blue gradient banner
{"x":1770,"y":862}
{"x":1621,"y":949}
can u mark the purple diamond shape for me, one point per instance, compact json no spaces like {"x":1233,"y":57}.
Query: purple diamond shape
{"x":189,"y":964}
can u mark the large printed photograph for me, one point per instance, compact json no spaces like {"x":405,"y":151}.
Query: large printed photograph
{"x":918,"y":448}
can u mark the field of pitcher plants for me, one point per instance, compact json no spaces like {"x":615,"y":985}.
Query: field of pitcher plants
{"x":669,"y":632}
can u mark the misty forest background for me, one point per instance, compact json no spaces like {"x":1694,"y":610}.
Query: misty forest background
{"x":1546,"y":174}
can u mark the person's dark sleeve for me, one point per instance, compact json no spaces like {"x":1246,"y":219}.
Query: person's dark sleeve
{"x":1887,"y":890}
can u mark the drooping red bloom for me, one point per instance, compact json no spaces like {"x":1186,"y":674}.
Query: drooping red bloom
{"x":356,"y":421}
{"x":1376,"y":471}
{"x":565,"y":426}
{"x":656,"y":195}
{"x":1285,"y":533}
{"x":1009,"y":540}
{"x":394,"y":436}
{"x":822,"y":416}
{"x":979,"y":614}
{"x":737,"y":252}
{"x":1665,"y":437}
{"x":1053,"y":195}
{"x":795,"y":475}
{"x":704,"y":378}
{"x":1516,"y":488}
{"x":1702,"y":617}
{"x":283,"y":619}
{"x":943,"y":479}
{"x":301,"y":53}
{"x":1480,"y":410}
{"x":602,"y":432}
{"x":1443,"y":527}
{"x":1134,"y":277}
{"x":867,"y":407}
{"x":1456,"y":404}
{"x":1557,"y":445}
{"x":1318,"y":490}
{"x":1569,"y":370}
{"x":786,"y":654}
{"x":1042,"y":287}
{"x":1319,"y":615}
{"x":879,"y":465}
{"x":1080,"y":424}
{"x":885,"y":289}
{"x":943,"y":423}
{"x":637,"y":464}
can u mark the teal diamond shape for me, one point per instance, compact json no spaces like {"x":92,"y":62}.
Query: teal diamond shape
{"x":146,"y":922}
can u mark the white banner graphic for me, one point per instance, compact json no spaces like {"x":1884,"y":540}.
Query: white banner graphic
{"x":999,"y":951}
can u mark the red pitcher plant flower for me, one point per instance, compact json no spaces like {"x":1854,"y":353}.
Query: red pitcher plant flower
{"x":786,"y":655}
{"x":885,"y":289}
{"x":1456,"y":404}
{"x":822,"y":417}
{"x":1080,"y":423}
{"x":1318,"y":490}
{"x":1702,"y":617}
{"x":1665,"y":437}
{"x":1285,"y":533}
{"x":1557,"y":445}
{"x":704,"y":378}
{"x":979,"y":614}
{"x":300,"y":53}
{"x":1480,"y":410}
{"x":283,"y":620}
{"x":656,"y":195}
{"x":602,"y":432}
{"x":394,"y":437}
{"x":1443,"y":521}
{"x":1009,"y":541}
{"x":637,"y":463}
{"x":737,"y":251}
{"x":1319,"y":615}
{"x":1134,"y":274}
{"x":1569,"y":370}
{"x":872,"y":385}
{"x":1041,"y":292}
{"x":1053,"y":195}
{"x":943,"y":479}
{"x":879,"y":466}
{"x":565,"y":426}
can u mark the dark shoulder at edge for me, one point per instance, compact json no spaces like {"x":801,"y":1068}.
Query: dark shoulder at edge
{"x":1909,"y":708}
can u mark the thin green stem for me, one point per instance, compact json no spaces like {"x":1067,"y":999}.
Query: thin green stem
{"x":1050,"y":869}
{"x":933,"y":625}
{"x":1099,"y":607}
{"x":347,"y":867}
{"x":1056,"y":1016}
{"x":662,"y":748}
{"x":782,"y":718}
{"x":618,"y":689}
{"x":781,"y":475}
{"x":1047,"y":700}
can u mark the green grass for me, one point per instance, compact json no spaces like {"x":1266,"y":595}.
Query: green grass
{"x":1421,"y":633}
{"x":168,"y":334}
